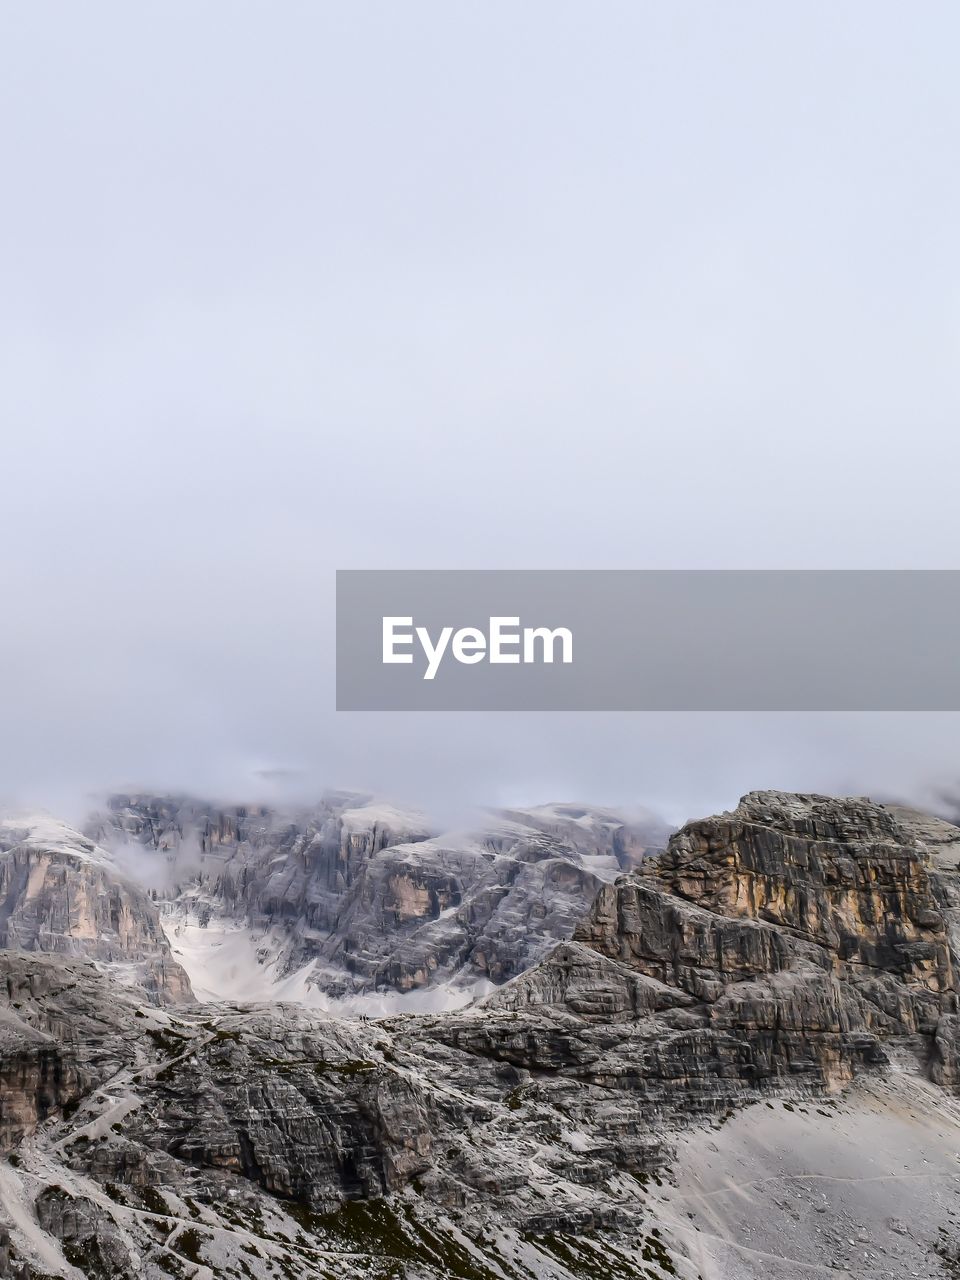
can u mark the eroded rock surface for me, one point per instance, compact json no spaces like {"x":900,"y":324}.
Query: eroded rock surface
{"x":61,"y":893}
{"x":357,"y":897}
{"x":790,"y":962}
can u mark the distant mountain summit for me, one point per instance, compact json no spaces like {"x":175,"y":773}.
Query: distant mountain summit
{"x":354,"y":904}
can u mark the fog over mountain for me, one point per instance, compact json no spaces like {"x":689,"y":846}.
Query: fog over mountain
{"x":464,"y":287}
{"x":295,"y":288}
{"x":453,"y":766}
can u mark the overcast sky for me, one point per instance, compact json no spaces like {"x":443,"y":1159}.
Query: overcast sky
{"x":292,"y":287}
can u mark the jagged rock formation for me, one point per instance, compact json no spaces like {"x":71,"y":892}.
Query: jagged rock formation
{"x":809,"y":927}
{"x":724,"y":1025}
{"x":357,"y":897}
{"x":59,"y":892}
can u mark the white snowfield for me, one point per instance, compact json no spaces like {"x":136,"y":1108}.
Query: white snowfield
{"x":42,"y":831}
{"x":376,"y":813}
{"x":232,"y":963}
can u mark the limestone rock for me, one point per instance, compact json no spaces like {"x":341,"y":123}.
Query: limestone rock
{"x":60,"y":893}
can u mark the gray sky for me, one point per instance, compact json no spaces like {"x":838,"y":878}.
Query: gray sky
{"x":295,"y":287}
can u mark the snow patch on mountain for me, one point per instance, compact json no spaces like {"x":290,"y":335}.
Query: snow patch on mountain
{"x":42,"y":831}
{"x":234,"y":963}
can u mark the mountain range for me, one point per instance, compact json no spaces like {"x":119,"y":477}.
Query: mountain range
{"x":334,"y":1042}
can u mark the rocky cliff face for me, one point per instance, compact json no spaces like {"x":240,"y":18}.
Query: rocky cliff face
{"x":357,"y":898}
{"x":812,"y":928}
{"x":59,"y":892}
{"x":745,"y":1062}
